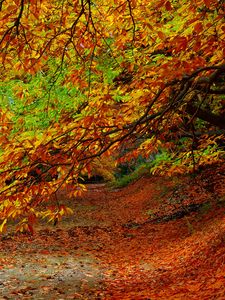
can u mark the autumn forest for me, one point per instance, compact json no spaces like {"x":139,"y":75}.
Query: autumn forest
{"x":112,"y":149}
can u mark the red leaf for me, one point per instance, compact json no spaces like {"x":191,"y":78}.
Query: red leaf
{"x":168,"y":5}
{"x":198,"y":27}
{"x":207,"y":2}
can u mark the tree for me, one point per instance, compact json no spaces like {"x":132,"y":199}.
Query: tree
{"x":131,"y":72}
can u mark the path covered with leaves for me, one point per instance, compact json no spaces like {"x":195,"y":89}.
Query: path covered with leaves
{"x":113,"y":249}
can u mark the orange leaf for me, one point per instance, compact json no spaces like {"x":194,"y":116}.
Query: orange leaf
{"x":161,"y":35}
{"x":198,"y":27}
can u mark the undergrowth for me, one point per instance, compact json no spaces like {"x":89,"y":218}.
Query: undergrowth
{"x":124,"y":180}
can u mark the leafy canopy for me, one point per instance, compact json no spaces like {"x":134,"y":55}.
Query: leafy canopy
{"x":83,"y":79}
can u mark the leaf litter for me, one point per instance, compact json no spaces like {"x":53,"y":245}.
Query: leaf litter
{"x":110,"y":250}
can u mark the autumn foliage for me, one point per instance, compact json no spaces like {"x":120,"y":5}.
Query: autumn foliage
{"x":84,"y":79}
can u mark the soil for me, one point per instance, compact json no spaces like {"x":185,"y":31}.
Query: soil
{"x":109,"y":250}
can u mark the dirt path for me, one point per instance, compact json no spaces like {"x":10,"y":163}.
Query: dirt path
{"x":108,"y":251}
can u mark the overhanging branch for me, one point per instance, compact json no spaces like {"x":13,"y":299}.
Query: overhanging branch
{"x":207,"y":116}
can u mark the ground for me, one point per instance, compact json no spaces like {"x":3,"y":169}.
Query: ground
{"x":120,"y":244}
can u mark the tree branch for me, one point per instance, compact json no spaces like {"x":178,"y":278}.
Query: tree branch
{"x":205,"y":115}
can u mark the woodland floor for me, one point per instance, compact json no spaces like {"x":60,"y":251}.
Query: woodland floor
{"x":118,"y":246}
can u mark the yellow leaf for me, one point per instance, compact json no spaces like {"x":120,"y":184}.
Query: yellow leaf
{"x":3,"y":225}
{"x":68,"y":210}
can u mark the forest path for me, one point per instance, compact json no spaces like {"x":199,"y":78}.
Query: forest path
{"x":107,"y":250}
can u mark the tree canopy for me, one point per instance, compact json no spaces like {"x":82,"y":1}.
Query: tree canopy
{"x":82,"y":79}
